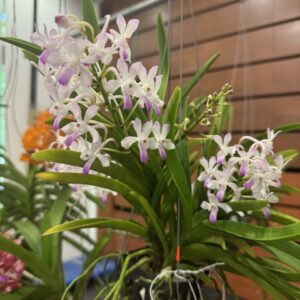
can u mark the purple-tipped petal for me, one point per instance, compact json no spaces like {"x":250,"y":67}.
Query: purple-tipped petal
{"x":71,"y":138}
{"x":148,"y":106}
{"x":243,"y":169}
{"x":87,"y":166}
{"x":206,"y":183}
{"x":213,"y":215}
{"x":220,"y":194}
{"x":220,"y":160}
{"x":57,"y":122}
{"x":162,"y":152}
{"x":157,"y":111}
{"x":104,"y":197}
{"x":248,"y":184}
{"x":266,"y":212}
{"x":44,"y":56}
{"x":65,"y":76}
{"x":127,"y":102}
{"x":124,"y":54}
{"x":143,"y":155}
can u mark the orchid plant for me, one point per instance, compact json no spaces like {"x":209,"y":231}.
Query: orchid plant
{"x":118,"y":129}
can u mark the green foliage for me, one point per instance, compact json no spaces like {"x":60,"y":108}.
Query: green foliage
{"x":153,"y":190}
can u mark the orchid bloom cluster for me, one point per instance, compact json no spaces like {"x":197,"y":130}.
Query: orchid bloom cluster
{"x":238,"y":174}
{"x":80,"y":78}
{"x":11,"y":270}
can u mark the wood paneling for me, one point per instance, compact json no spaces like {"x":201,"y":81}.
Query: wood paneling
{"x":224,"y":21}
{"x":148,"y":18}
{"x":263,"y":113}
{"x":275,"y":42}
{"x":258,"y":80}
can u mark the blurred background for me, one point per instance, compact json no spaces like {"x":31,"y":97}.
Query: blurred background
{"x":259,"y":43}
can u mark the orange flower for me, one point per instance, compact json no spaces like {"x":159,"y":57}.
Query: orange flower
{"x":37,"y":137}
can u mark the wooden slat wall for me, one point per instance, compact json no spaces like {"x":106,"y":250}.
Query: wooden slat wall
{"x":259,"y":42}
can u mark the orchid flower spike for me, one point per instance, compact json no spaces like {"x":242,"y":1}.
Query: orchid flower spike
{"x":142,"y":138}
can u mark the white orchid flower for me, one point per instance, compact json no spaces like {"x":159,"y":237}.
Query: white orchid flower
{"x":142,"y":138}
{"x":81,"y":125}
{"x":160,"y":141}
{"x":119,"y":39}
{"x":213,"y":206}
{"x":225,"y":149}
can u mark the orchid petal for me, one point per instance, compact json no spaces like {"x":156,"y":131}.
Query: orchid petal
{"x":132,"y":26}
{"x":128,"y":141}
{"x":65,"y":76}
{"x":121,"y":24}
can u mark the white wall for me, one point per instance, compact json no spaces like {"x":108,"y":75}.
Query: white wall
{"x":19,"y":97}
{"x":18,"y":93}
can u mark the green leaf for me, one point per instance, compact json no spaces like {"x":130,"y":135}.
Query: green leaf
{"x":34,"y":49}
{"x":73,"y":158}
{"x":89,"y":15}
{"x":34,"y":262}
{"x":245,"y":205}
{"x":179,"y":177}
{"x":257,"y":233}
{"x":164,"y":57}
{"x":118,"y":224}
{"x":288,"y":252}
{"x":278,"y":217}
{"x":31,"y":234}
{"x":194,"y":80}
{"x":134,"y":198}
{"x":170,"y":114}
{"x":51,"y":245}
{"x":30,"y":56}
{"x":198,"y":252}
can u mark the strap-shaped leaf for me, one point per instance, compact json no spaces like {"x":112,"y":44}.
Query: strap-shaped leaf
{"x":245,"y":205}
{"x":134,"y":198}
{"x":89,"y":15}
{"x":164,"y":57}
{"x":22,"y":44}
{"x":118,"y":224}
{"x":170,"y":114}
{"x":179,"y":177}
{"x":258,"y":233}
{"x":73,"y":158}
{"x":194,"y":80}
{"x":31,"y":234}
{"x":34,"y":262}
{"x":198,"y":252}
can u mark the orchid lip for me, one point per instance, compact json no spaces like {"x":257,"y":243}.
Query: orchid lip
{"x":71,"y":138}
{"x":213,"y":216}
{"x":162,"y":153}
{"x":57,"y":122}
{"x":127,"y":102}
{"x":87,"y":167}
{"x":248,"y":184}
